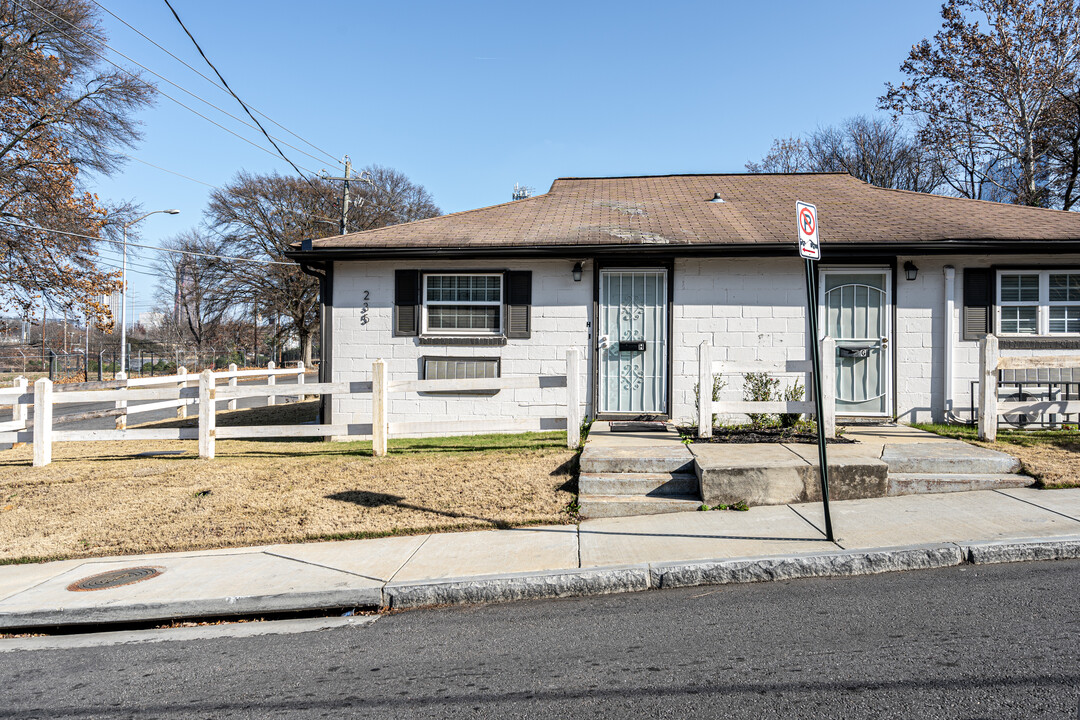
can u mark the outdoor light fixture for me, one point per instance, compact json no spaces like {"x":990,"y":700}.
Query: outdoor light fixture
{"x":910,"y":271}
{"x":577,"y":271}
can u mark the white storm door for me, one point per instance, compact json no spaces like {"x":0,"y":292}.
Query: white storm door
{"x":632,"y":341}
{"x":856,"y":307}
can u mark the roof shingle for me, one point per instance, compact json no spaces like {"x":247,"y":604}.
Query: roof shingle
{"x":675,"y":210}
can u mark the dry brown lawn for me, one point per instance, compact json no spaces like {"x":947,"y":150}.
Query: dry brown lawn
{"x":104,"y":498}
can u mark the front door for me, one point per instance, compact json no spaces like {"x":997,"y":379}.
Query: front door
{"x":632,"y":347}
{"x":855,"y":304}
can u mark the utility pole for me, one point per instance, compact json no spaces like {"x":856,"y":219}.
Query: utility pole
{"x":345,"y":197}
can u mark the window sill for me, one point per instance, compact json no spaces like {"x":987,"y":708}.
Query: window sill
{"x":464,"y":340}
{"x":1039,"y":342}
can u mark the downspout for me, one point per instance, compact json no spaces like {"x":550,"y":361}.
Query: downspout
{"x":949,"y":342}
{"x":323,"y":276}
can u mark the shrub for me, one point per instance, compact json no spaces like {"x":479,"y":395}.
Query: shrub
{"x":718,"y":384}
{"x":760,"y":387}
{"x":793,"y":392}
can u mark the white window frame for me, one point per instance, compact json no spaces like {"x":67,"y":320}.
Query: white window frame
{"x":1043,"y":304}
{"x":425,"y":330}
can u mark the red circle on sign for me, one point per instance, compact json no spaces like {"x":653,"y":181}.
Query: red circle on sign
{"x":806,"y":220}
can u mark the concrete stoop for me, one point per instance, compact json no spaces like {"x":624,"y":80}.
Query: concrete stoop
{"x":644,"y":480}
{"x":939,"y":467}
{"x":648,"y":479}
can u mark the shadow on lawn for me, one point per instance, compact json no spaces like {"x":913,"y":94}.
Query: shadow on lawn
{"x":364,"y":498}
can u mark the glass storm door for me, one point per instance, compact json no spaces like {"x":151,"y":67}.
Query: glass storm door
{"x":632,"y":342}
{"x":855,"y":306}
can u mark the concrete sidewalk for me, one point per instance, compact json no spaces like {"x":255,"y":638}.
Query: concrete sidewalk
{"x":598,"y":556}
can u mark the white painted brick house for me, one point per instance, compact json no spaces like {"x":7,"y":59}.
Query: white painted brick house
{"x":636,"y":272}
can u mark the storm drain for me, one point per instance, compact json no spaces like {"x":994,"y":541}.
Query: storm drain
{"x":115,"y":578}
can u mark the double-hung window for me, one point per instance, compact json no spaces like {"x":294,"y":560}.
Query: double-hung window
{"x":463,"y":304}
{"x":1038,"y":302}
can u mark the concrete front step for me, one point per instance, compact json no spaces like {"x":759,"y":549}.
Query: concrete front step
{"x":651,"y":484}
{"x":667,"y":458}
{"x":920,"y":483}
{"x":600,"y":506}
{"x":952,"y":458}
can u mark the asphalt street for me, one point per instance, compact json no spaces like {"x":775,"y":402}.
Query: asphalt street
{"x":968,"y":642}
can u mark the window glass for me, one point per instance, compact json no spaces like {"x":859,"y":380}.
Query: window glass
{"x":1065,"y":287}
{"x":463,"y":303}
{"x":1020,"y":319}
{"x":1065,"y":319}
{"x":1019,"y":288}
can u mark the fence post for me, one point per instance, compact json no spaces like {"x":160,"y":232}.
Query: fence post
{"x":988,"y":387}
{"x":121,"y":420}
{"x":704,"y":406}
{"x":181,"y":409}
{"x":232,"y":384}
{"x":573,"y":398}
{"x":271,"y":380}
{"x":379,"y":426}
{"x":207,"y":406}
{"x":828,"y":387}
{"x":300,"y":378}
{"x":19,"y":412}
{"x":43,"y":414}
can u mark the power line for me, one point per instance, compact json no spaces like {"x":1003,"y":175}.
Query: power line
{"x":150,"y":247}
{"x":162,"y":77}
{"x":212,"y":81}
{"x":170,"y":97}
{"x":226,"y":84}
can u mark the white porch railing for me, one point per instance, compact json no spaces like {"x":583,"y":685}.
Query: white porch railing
{"x":707,"y":407}
{"x":990,"y":407}
{"x":178,"y":391}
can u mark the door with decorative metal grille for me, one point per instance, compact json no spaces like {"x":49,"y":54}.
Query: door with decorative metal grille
{"x":632,"y":347}
{"x":856,"y":308}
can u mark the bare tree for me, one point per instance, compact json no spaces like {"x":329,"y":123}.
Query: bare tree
{"x":870,"y":149}
{"x":261,"y":216}
{"x":787,"y":155}
{"x":984,"y":93}
{"x":194,"y":293}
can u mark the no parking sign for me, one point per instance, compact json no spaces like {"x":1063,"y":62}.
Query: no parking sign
{"x":806,"y":220}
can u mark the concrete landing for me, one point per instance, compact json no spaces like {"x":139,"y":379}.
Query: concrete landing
{"x":766,"y":474}
{"x":949,"y":457}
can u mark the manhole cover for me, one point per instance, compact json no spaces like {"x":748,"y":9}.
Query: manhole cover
{"x":115,"y":578}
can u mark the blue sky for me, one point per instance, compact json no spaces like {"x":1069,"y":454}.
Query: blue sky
{"x":468,"y":98}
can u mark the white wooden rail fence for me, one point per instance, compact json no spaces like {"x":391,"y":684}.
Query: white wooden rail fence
{"x":707,"y":407}
{"x":180,"y":392}
{"x":990,"y":408}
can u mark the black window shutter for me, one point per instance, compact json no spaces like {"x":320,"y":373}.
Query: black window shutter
{"x":406,"y":302}
{"x":978,"y":302}
{"x":518,"y":301}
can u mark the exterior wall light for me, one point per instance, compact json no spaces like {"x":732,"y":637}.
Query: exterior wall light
{"x":910,"y":271}
{"x":577,"y":271}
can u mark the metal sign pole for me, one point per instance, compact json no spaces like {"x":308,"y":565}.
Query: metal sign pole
{"x":806,"y":221}
{"x":819,"y":404}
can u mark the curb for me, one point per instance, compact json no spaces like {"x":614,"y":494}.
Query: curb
{"x":575,"y":582}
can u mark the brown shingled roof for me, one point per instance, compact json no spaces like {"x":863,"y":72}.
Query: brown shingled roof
{"x":674,"y":210}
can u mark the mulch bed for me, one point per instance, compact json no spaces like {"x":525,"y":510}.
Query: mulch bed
{"x":758,"y":435}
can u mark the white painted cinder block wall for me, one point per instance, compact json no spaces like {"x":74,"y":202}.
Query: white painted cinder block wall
{"x":749,"y":309}
{"x":920,"y":334}
{"x":560,"y":313}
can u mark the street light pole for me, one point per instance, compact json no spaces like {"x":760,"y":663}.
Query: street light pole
{"x":123,"y":287}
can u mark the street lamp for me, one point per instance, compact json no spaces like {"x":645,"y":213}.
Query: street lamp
{"x":123,"y":288}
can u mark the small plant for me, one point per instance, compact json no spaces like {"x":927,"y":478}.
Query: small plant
{"x":586,"y":425}
{"x":760,"y":387}
{"x":573,"y":508}
{"x":794,"y":392}
{"x":741,"y":506}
